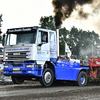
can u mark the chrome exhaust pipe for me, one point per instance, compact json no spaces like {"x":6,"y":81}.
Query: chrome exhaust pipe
{"x":57,"y":32}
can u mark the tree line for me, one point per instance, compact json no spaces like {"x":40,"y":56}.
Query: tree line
{"x":83,"y":44}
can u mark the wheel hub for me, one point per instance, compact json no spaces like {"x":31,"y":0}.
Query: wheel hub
{"x":47,"y":77}
{"x":82,"y":79}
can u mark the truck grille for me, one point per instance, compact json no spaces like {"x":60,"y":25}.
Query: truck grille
{"x":22,"y":55}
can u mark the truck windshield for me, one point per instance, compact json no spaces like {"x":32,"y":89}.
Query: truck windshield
{"x":21,"y":38}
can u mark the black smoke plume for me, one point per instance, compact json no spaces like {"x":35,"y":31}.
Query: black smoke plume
{"x":64,"y":8}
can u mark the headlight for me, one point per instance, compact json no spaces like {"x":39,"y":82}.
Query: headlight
{"x":6,"y":57}
{"x":28,"y":56}
{"x":5,"y":66}
{"x":28,"y":53}
{"x":30,"y":66}
{"x":6,"y":54}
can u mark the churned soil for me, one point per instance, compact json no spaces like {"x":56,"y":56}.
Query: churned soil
{"x":35,"y":91}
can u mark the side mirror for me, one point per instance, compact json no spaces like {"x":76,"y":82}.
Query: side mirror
{"x":40,"y":44}
{"x":3,"y":40}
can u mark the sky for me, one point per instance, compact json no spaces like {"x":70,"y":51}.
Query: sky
{"x":26,"y":13}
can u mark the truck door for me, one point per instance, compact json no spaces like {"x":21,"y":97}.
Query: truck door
{"x":42,"y":46}
{"x":53,"y":46}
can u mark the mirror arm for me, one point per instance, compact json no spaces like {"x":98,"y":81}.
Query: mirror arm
{"x":3,"y":40}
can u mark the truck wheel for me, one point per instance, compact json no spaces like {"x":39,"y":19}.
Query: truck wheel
{"x":82,"y":78}
{"x":17,"y":79}
{"x":47,"y":78}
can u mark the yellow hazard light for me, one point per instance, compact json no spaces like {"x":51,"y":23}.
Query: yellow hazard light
{"x":92,"y":58}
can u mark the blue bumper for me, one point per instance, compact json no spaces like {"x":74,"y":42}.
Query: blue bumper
{"x":22,"y":70}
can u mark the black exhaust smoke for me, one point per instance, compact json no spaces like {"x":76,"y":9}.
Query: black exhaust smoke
{"x":64,"y":8}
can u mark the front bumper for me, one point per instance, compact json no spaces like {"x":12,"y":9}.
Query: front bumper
{"x":22,"y":70}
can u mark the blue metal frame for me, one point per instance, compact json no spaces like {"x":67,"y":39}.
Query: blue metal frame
{"x":66,"y":70}
{"x":36,"y":71}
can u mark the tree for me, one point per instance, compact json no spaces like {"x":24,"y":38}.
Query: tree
{"x":0,"y":28}
{"x":80,"y":42}
{"x":47,"y":22}
{"x":63,"y":34}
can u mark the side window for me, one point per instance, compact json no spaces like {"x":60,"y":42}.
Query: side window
{"x":44,"y":36}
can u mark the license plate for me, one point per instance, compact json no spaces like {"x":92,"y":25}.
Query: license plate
{"x":17,"y":71}
{"x":16,"y":68}
{"x":16,"y":53}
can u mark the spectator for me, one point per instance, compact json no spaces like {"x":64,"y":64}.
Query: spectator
{"x":67,"y":58}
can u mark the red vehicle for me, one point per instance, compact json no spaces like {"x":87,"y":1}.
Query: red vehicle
{"x":94,"y":72}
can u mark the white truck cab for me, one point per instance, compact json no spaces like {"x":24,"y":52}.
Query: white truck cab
{"x":30,"y":44}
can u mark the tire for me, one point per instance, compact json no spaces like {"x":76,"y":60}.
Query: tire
{"x":82,"y":78}
{"x":17,"y":79}
{"x":47,"y":78}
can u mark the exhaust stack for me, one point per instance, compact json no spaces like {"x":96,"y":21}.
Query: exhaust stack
{"x":57,"y":32}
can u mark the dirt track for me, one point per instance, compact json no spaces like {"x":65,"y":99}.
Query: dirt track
{"x":34,"y":91}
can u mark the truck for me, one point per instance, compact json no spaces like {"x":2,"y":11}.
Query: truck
{"x":94,"y":70}
{"x":33,"y":52}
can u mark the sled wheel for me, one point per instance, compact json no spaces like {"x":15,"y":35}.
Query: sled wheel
{"x":17,"y":79}
{"x":82,"y":78}
{"x":47,"y":78}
